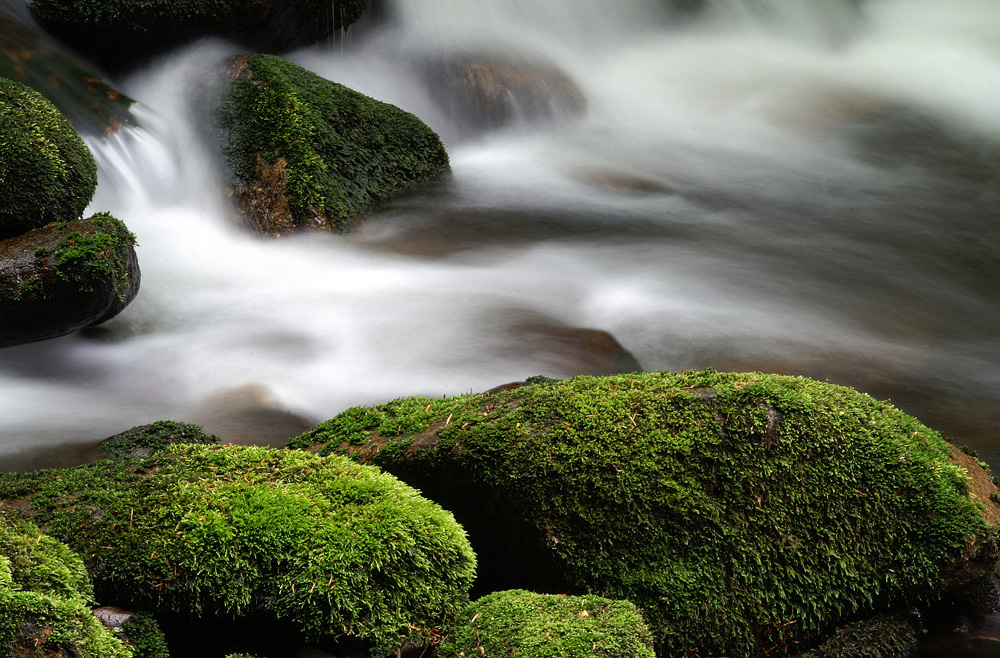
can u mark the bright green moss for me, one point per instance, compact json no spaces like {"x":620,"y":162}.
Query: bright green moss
{"x":744,"y":513}
{"x":99,"y":255}
{"x":46,"y":171}
{"x":44,"y":598}
{"x":338,"y":551}
{"x":530,"y":625}
{"x":337,"y":152}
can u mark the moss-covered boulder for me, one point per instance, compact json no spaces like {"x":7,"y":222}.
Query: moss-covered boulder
{"x":529,"y":625}
{"x":64,"y":277}
{"x":882,"y":636}
{"x":47,"y":173}
{"x":122,"y":33}
{"x":303,"y":151}
{"x":28,"y":56}
{"x":44,"y":599}
{"x":326,"y":549}
{"x":481,"y":92}
{"x":744,"y":513}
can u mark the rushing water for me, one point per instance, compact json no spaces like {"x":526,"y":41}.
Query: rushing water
{"x":795,"y":186}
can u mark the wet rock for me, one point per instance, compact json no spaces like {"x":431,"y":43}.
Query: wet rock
{"x":482,"y":92}
{"x":47,"y":171}
{"x":746,"y":514}
{"x":65,"y":276}
{"x":306,"y":152}
{"x":564,"y":351}
{"x":121,"y":34}
{"x":249,"y":415}
{"x":89,"y":103}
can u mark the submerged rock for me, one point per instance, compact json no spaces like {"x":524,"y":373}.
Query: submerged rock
{"x":744,"y":513}
{"x":306,"y":152}
{"x":45,"y":598}
{"x":530,"y":625}
{"x":48,"y":173}
{"x":481,"y":92}
{"x":327,"y":549}
{"x":64,"y":277}
{"x":89,"y":103}
{"x":122,"y":33}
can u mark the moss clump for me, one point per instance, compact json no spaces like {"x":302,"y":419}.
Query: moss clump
{"x":144,"y":637}
{"x":144,"y":440}
{"x":744,"y":513}
{"x":44,"y":597}
{"x":882,"y":636}
{"x":331,"y":151}
{"x":98,"y":255}
{"x":530,"y":625}
{"x":336,"y":551}
{"x":47,"y":173}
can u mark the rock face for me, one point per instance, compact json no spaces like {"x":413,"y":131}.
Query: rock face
{"x":744,"y":513}
{"x":46,"y":170}
{"x":87,"y":102}
{"x":120,"y":33}
{"x":65,"y":276}
{"x":484,"y":92}
{"x":530,"y":625}
{"x":307,"y":152}
{"x":44,"y":599}
{"x":333,"y":551}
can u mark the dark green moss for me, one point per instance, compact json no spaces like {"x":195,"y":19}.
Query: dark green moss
{"x":144,"y":637}
{"x":97,"y":255}
{"x":46,"y":171}
{"x":44,"y":598}
{"x":144,"y":440}
{"x":335,"y":151}
{"x":530,"y":625}
{"x":745,"y":513}
{"x":337,"y":551}
{"x":882,"y":636}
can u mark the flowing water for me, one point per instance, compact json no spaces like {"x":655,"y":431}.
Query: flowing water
{"x":798,"y":186}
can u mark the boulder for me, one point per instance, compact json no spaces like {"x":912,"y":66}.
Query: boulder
{"x":120,"y":34}
{"x":529,"y":625}
{"x":65,"y":276}
{"x":745,"y":513}
{"x":321,"y":548}
{"x":89,"y":103}
{"x":47,"y":173}
{"x":483,"y":92}
{"x":306,"y":152}
{"x":44,"y":599}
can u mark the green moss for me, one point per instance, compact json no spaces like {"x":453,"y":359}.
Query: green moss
{"x":342,"y":151}
{"x":144,"y":637}
{"x":340,"y":552}
{"x":44,"y":598}
{"x":743,"y":512}
{"x":46,"y":171}
{"x":144,"y":440}
{"x":879,"y":637}
{"x":530,"y":625}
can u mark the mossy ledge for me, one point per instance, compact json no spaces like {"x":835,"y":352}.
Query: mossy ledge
{"x":746,"y":514}
{"x":323,"y":548}
{"x":303,"y":151}
{"x":529,"y":625}
{"x":47,"y":173}
{"x":45,"y":598}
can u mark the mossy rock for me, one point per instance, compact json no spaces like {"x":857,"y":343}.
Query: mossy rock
{"x":326,"y":549}
{"x":306,"y":152}
{"x":44,"y":599}
{"x":47,"y":173}
{"x":744,"y":513}
{"x":144,"y":440}
{"x":120,"y":34}
{"x":529,"y":625}
{"x":89,"y":103}
{"x":882,"y":636}
{"x":64,"y":277}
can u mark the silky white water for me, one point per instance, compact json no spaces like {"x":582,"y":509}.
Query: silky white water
{"x":798,"y":187}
